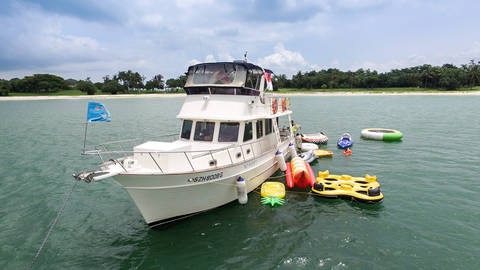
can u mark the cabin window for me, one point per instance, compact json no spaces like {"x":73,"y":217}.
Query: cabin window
{"x":204,"y":131}
{"x":259,"y":129}
{"x":214,"y":74}
{"x":268,"y":126}
{"x":248,"y":131}
{"x":186,"y":129}
{"x":253,"y":80}
{"x":228,"y":132}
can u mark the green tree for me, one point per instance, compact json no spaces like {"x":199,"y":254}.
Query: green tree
{"x":42,"y":83}
{"x":177,"y":83}
{"x":86,"y":86}
{"x":472,"y":71}
{"x":155,"y":83}
{"x":451,"y":77}
{"x":130,"y":80}
{"x":99,"y":86}
{"x":4,"y":87}
{"x":113,"y":87}
{"x":281,"y":81}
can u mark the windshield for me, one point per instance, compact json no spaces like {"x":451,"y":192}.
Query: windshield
{"x":227,"y":74}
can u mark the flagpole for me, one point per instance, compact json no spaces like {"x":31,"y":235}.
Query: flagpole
{"x":96,"y":112}
{"x":85,"y":138}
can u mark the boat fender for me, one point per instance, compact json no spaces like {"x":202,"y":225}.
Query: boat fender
{"x":292,"y":150}
{"x":288,"y":176}
{"x":284,"y":104}
{"x":280,"y":160}
{"x":242,"y":190}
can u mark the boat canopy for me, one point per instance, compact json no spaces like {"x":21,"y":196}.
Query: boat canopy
{"x":228,"y":78}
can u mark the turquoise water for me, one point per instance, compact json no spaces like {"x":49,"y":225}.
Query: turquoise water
{"x":427,"y":220}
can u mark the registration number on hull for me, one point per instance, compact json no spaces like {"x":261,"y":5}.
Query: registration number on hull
{"x":205,"y":178}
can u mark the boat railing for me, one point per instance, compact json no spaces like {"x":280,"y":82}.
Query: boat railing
{"x":121,"y":146}
{"x":183,"y":161}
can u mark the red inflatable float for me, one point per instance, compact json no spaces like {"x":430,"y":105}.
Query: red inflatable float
{"x":299,"y":174}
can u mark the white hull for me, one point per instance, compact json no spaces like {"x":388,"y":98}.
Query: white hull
{"x":162,"y":198}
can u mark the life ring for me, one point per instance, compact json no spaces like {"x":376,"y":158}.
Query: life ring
{"x":274,"y":106}
{"x":284,"y":104}
{"x":382,"y":134}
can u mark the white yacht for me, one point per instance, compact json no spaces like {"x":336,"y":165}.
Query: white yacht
{"x":233,"y":137}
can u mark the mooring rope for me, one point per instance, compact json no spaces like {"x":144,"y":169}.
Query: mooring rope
{"x":65,"y":200}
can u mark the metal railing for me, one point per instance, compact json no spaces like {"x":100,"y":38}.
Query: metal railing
{"x":184,"y":161}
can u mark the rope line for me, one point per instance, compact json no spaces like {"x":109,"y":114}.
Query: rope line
{"x":257,"y":190}
{"x":65,"y":200}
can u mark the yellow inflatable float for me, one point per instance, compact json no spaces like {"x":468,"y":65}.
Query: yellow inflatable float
{"x":273,"y":193}
{"x":363,"y":189}
{"x":273,"y":189}
{"x":319,"y":153}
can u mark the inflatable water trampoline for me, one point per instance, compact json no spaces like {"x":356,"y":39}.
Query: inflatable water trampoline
{"x":382,"y":134}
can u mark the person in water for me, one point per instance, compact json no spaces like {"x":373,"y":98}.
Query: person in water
{"x":347,"y":152}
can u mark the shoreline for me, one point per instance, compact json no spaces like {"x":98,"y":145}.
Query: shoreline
{"x":94,"y":97}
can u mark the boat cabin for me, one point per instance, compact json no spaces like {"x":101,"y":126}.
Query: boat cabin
{"x":225,"y":78}
{"x":226,"y":132}
{"x":226,"y":104}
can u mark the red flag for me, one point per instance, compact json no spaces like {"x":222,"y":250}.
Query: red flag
{"x":268,"y":78}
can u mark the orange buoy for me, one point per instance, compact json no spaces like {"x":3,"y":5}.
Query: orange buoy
{"x":274,"y":106}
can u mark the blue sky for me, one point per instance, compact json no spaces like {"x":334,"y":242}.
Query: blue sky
{"x":95,"y":38}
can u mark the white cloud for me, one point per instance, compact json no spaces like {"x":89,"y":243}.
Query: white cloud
{"x":40,"y":40}
{"x":104,"y":37}
{"x":284,"y":61}
{"x":152,"y":20}
{"x":210,"y":58}
{"x":358,"y":4}
{"x":189,"y":4}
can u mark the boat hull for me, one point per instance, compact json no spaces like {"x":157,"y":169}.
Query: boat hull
{"x":164,"y":198}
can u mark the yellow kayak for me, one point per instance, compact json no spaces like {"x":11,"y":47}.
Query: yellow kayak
{"x":273,"y":189}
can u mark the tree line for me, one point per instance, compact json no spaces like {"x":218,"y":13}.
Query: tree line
{"x":446,"y":77}
{"x":120,"y":83}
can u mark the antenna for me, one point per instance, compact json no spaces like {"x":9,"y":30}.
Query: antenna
{"x":245,"y":56}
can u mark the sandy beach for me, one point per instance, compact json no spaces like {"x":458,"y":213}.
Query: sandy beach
{"x":99,"y":97}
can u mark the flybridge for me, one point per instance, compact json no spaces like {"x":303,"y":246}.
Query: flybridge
{"x":227,"y":78}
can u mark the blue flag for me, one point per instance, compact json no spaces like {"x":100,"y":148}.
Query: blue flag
{"x":97,"y":112}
